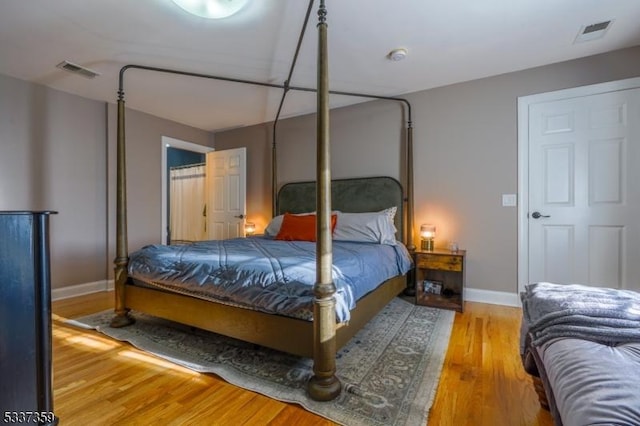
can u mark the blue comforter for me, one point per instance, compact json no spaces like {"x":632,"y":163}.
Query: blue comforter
{"x":268,"y":275}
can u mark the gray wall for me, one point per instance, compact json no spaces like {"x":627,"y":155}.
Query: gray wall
{"x":465,"y":142}
{"x":58,"y":152}
{"x":53,"y":156}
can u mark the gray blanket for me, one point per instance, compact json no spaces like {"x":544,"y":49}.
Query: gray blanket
{"x":604,"y":315}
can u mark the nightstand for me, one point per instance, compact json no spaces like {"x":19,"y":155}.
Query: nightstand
{"x":440,"y":278}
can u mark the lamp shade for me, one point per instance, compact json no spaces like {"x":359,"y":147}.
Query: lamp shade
{"x":427,"y":231}
{"x":427,"y":235}
{"x":249,"y":228}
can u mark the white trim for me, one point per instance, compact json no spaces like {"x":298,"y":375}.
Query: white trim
{"x":523,"y":189}
{"x":471,"y":294}
{"x":491,"y":297}
{"x":166,"y":141}
{"x":524,"y":103}
{"x":81,"y":289}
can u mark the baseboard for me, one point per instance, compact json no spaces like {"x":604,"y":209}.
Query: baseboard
{"x":471,"y":294}
{"x":492,"y":297}
{"x":81,"y":289}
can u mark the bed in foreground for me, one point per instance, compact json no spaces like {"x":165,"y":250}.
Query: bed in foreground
{"x":261,"y":289}
{"x":320,"y":337}
{"x":582,"y":346}
{"x":266,"y":274}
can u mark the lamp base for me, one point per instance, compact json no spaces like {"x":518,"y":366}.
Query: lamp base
{"x":427,"y":245}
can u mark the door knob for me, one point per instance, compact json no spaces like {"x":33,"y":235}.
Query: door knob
{"x":240,"y":216}
{"x":538,"y":215}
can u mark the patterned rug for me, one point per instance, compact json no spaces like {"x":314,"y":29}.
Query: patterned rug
{"x":389,"y":370}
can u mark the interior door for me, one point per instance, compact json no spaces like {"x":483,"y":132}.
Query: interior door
{"x":226,"y":193}
{"x":584,"y":190}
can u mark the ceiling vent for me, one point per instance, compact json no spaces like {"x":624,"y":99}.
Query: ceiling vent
{"x":593,"y":31}
{"x":77,"y":69}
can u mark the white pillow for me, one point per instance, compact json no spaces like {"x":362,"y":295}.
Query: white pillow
{"x":391,"y":212}
{"x":274,"y":225}
{"x":371,"y":227}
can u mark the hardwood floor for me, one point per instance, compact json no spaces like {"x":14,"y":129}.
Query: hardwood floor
{"x":98,"y":381}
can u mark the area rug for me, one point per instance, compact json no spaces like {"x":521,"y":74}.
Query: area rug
{"x":389,"y":370}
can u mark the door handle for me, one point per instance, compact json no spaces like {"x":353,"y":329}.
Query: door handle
{"x":240,"y":216}
{"x":538,"y":215}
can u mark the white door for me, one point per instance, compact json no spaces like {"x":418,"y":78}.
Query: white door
{"x":226,"y":193}
{"x":584,"y":190}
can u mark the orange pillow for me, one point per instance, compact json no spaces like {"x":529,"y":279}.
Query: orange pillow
{"x":301,"y":228}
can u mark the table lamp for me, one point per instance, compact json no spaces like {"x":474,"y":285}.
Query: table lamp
{"x":427,"y":235}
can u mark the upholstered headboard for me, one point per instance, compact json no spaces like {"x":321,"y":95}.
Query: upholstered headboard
{"x":356,"y":195}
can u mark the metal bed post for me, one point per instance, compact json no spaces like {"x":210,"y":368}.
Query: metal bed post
{"x":410,"y":245}
{"x":274,"y":152}
{"x":121,"y":261}
{"x":323,"y":385}
{"x":410,"y":290}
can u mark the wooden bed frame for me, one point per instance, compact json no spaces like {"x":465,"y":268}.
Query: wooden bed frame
{"x":318,"y":339}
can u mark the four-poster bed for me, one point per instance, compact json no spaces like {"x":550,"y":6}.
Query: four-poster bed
{"x":321,"y":337}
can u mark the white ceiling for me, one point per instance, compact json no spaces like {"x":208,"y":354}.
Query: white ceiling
{"x":448,"y":42}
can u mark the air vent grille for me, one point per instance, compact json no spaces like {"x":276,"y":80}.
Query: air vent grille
{"x":77,"y":69}
{"x":593,"y":31}
{"x":600,"y":26}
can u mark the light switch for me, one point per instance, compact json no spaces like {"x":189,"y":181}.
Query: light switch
{"x":509,"y":200}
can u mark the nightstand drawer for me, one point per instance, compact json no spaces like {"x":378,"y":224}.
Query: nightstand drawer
{"x":441,"y":262}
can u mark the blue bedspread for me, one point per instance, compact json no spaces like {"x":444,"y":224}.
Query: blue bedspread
{"x":268,"y":275}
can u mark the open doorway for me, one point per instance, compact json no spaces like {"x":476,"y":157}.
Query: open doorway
{"x":176,"y":154}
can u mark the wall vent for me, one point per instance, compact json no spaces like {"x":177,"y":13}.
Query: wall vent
{"x":77,"y":69}
{"x":593,"y":31}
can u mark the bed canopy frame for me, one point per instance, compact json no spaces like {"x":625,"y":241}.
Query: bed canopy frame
{"x":323,"y":385}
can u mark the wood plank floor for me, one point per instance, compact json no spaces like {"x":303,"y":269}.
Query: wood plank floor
{"x":98,"y":381}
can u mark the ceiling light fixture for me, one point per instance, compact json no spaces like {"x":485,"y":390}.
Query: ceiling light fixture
{"x":212,"y":9}
{"x":397,"y":54}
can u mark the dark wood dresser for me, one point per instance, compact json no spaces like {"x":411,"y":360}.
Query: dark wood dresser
{"x":26,"y":394}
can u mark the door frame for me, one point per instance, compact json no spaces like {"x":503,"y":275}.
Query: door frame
{"x":168,"y":142}
{"x":524,"y":102}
